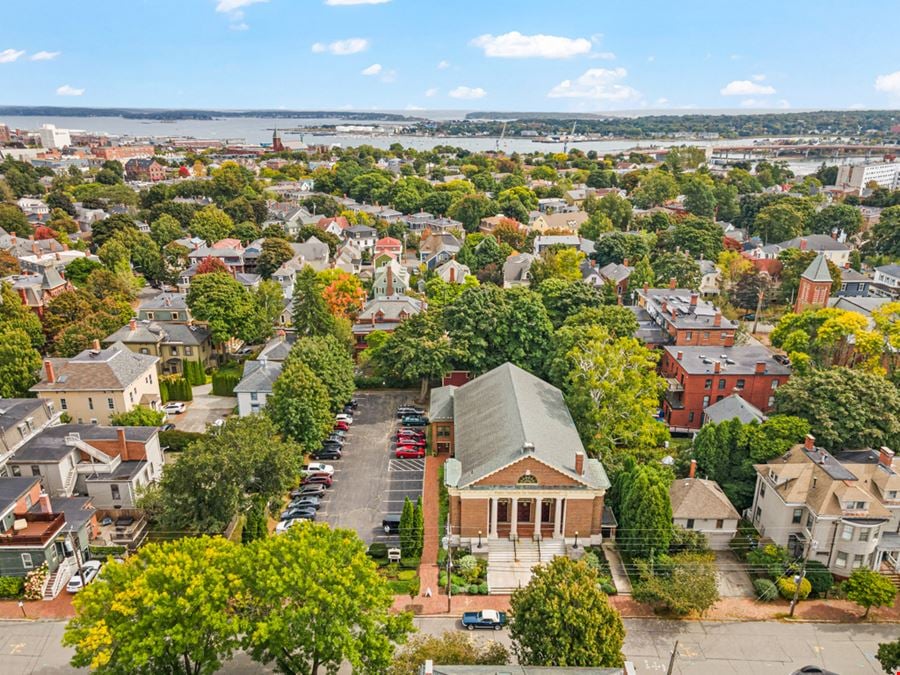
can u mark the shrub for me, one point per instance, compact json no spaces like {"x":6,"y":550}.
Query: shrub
{"x":474,"y":589}
{"x":819,"y":577}
{"x":770,"y":560}
{"x":12,"y":587}
{"x":194,"y":373}
{"x":368,"y":382}
{"x":406,"y":575}
{"x":177,"y":441}
{"x":787,"y":587}
{"x":34,"y":582}
{"x":591,"y":560}
{"x":103,"y":552}
{"x":378,"y":550}
{"x":175,"y":389}
{"x":224,"y":382}
{"x":766,"y":591}
{"x":410,"y":563}
{"x":607,"y":587}
{"x":442,"y":578}
{"x":483,"y":588}
{"x":458,"y":590}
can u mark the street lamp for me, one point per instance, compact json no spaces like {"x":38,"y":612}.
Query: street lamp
{"x":576,"y":539}
{"x":22,"y":607}
{"x":479,"y":538}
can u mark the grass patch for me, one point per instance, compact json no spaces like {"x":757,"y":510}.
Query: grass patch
{"x":443,"y":503}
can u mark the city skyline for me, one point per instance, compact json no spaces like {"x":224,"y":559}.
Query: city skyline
{"x":399,"y":55}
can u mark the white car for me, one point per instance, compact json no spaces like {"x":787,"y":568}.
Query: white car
{"x":174,"y":408}
{"x":343,"y":417}
{"x":283,"y":525}
{"x":88,"y":573}
{"x":318,"y":467}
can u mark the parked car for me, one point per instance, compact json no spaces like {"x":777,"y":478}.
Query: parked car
{"x":284,"y":525}
{"x":391,"y":524}
{"x":407,"y":410}
{"x":334,"y":438}
{"x":327,"y":453}
{"x":414,"y":421}
{"x":312,"y":490}
{"x":352,"y":403}
{"x":297,"y":512}
{"x":317,"y":467}
{"x":305,"y":502}
{"x":349,"y":409}
{"x":409,"y":452}
{"x":410,"y":431}
{"x":486,"y":618}
{"x":341,"y":426}
{"x":174,"y":407}
{"x":813,"y":670}
{"x":339,"y":433}
{"x":344,"y":417}
{"x":317,"y":479}
{"x":411,"y":440}
{"x":168,"y":426}
{"x":88,"y":572}
{"x":245,"y":350}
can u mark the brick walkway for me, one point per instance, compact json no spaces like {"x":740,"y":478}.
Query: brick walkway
{"x":428,"y":567}
{"x":58,"y":608}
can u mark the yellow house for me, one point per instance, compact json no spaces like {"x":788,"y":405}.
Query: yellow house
{"x":98,"y":383}
{"x":173,"y":343}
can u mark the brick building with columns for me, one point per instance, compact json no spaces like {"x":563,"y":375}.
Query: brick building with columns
{"x":521,"y":486}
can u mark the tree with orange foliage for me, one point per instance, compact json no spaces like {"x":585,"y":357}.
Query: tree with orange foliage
{"x":44,"y":232}
{"x":512,"y":232}
{"x":343,"y":293}
{"x":210,"y":264}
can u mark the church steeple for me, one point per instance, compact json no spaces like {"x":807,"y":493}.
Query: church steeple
{"x":277,"y":145}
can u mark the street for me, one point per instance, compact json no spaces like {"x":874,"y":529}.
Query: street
{"x":705,"y":648}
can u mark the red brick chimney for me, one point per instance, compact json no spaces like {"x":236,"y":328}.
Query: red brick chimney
{"x":717,"y":319}
{"x":44,"y":501}
{"x":679,"y":355}
{"x":123,"y":443}
{"x":48,"y":368}
{"x":885,"y":456}
{"x":693,"y":468}
{"x":646,"y":287}
{"x":717,"y":367}
{"x":452,"y":274}
{"x":132,"y":325}
{"x":673,"y":282}
{"x":695,"y":297}
{"x":95,"y":345}
{"x":802,"y":244}
{"x":760,"y":367}
{"x":579,"y":463}
{"x":625,"y":262}
{"x":809,"y":442}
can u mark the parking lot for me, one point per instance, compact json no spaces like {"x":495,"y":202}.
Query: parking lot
{"x":368,"y":482}
{"x":203,"y":410}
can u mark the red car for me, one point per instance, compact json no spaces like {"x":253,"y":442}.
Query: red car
{"x":408,"y":452}
{"x":417,"y":442}
{"x":341,"y":426}
{"x":411,"y":432}
{"x":318,"y":479}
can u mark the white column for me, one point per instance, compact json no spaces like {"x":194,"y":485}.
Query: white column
{"x":537,"y":515}
{"x":557,"y":518}
{"x":492,"y":532}
{"x":514,"y":518}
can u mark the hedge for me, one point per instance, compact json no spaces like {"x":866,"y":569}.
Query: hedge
{"x":194,"y":373}
{"x":378,"y":550}
{"x":368,"y":382}
{"x":12,"y":587}
{"x":175,"y":389}
{"x":223,"y":383}
{"x":820,"y":579}
{"x":177,"y":441}
{"x":766,"y":591}
{"x":104,"y":552}
{"x":786,"y":587}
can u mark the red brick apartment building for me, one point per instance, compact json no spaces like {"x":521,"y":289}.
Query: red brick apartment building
{"x":685,"y":318}
{"x":701,"y":376}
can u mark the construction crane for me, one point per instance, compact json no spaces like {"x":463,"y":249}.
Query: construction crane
{"x":569,"y":137}
{"x":502,"y":134}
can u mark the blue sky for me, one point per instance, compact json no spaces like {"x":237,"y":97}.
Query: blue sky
{"x":563,"y":55}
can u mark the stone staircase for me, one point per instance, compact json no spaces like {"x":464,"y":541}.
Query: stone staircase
{"x":510,"y":563}
{"x":894,"y":578}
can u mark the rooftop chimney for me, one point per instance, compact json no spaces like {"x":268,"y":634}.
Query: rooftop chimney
{"x":527,"y":447}
{"x":679,"y":355}
{"x":717,"y":319}
{"x":694,"y":298}
{"x":123,"y":443}
{"x":693,"y":468}
{"x":95,"y":345}
{"x":44,"y":501}
{"x":673,"y":282}
{"x":452,"y":274}
{"x":625,"y":262}
{"x":760,"y":367}
{"x":717,"y":367}
{"x":132,"y":325}
{"x":885,"y":456}
{"x":809,"y":442}
{"x":646,"y":287}
{"x":48,"y":368}
{"x":579,"y":463}
{"x":428,"y":668}
{"x":802,"y":244}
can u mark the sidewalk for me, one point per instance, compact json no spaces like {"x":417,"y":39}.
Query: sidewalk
{"x":58,"y":608}
{"x":428,"y":567}
{"x":617,"y":569}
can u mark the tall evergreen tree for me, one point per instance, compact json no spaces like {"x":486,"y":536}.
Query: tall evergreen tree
{"x":311,"y":315}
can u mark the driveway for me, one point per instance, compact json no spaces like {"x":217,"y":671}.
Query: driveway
{"x":733,"y":580}
{"x":203,"y":410}
{"x":368,"y":482}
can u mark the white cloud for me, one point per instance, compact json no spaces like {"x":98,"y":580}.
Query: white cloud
{"x":67,"y":90}
{"x":443,"y":65}
{"x":432,"y":91}
{"x":342,"y":47}
{"x":889,"y":84}
{"x":44,"y":56}
{"x":228,"y":6}
{"x":344,"y":3}
{"x":514,"y":45}
{"x":661,"y":101}
{"x":468,"y":92}
{"x":10,"y":55}
{"x":241,"y":25}
{"x":599,"y":84}
{"x":746,"y":88}
{"x":758,"y":78}
{"x":374,"y":69}
{"x":604,"y":56}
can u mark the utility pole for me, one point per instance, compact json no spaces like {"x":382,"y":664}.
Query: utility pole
{"x":449,"y":572}
{"x":758,"y":309}
{"x":798,"y":578}
{"x":672,"y":658}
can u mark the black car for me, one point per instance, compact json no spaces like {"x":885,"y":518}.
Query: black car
{"x":168,"y":426}
{"x":353,"y":404}
{"x":409,"y":410}
{"x":306,"y":502}
{"x":310,"y":490}
{"x":297,"y":512}
{"x":326,"y":453}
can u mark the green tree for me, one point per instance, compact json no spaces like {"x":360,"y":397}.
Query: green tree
{"x":275,"y":252}
{"x":449,"y":647}
{"x":419,"y":526}
{"x":682,"y":584}
{"x":563,"y":619}
{"x":139,"y":416}
{"x":700,"y":236}
{"x":311,"y":315}
{"x":78,"y":270}
{"x":19,"y":362}
{"x":170,"y":609}
{"x":778,"y":222}
{"x":469,"y":209}
{"x":645,"y":512}
{"x":418,"y":350}
{"x":293,"y":620}
{"x":517,"y":202}
{"x":408,"y":528}
{"x":617,"y":209}
{"x":15,"y":315}
{"x":219,"y":300}
{"x":869,"y":589}
{"x":837,"y":218}
{"x":619,"y":321}
{"x":837,"y":403}
{"x":557,"y":263}
{"x":564,"y":298}
{"x":211,"y":224}
{"x":103,"y":230}
{"x":299,"y":405}
{"x":679,"y":266}
{"x":655,"y":188}
{"x":13,"y":220}
{"x":699,"y":196}
{"x":165,"y":230}
{"x":330,"y":361}
{"x":618,"y":247}
{"x":888,"y":656}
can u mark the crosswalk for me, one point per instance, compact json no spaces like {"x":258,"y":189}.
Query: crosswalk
{"x":397,"y":465}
